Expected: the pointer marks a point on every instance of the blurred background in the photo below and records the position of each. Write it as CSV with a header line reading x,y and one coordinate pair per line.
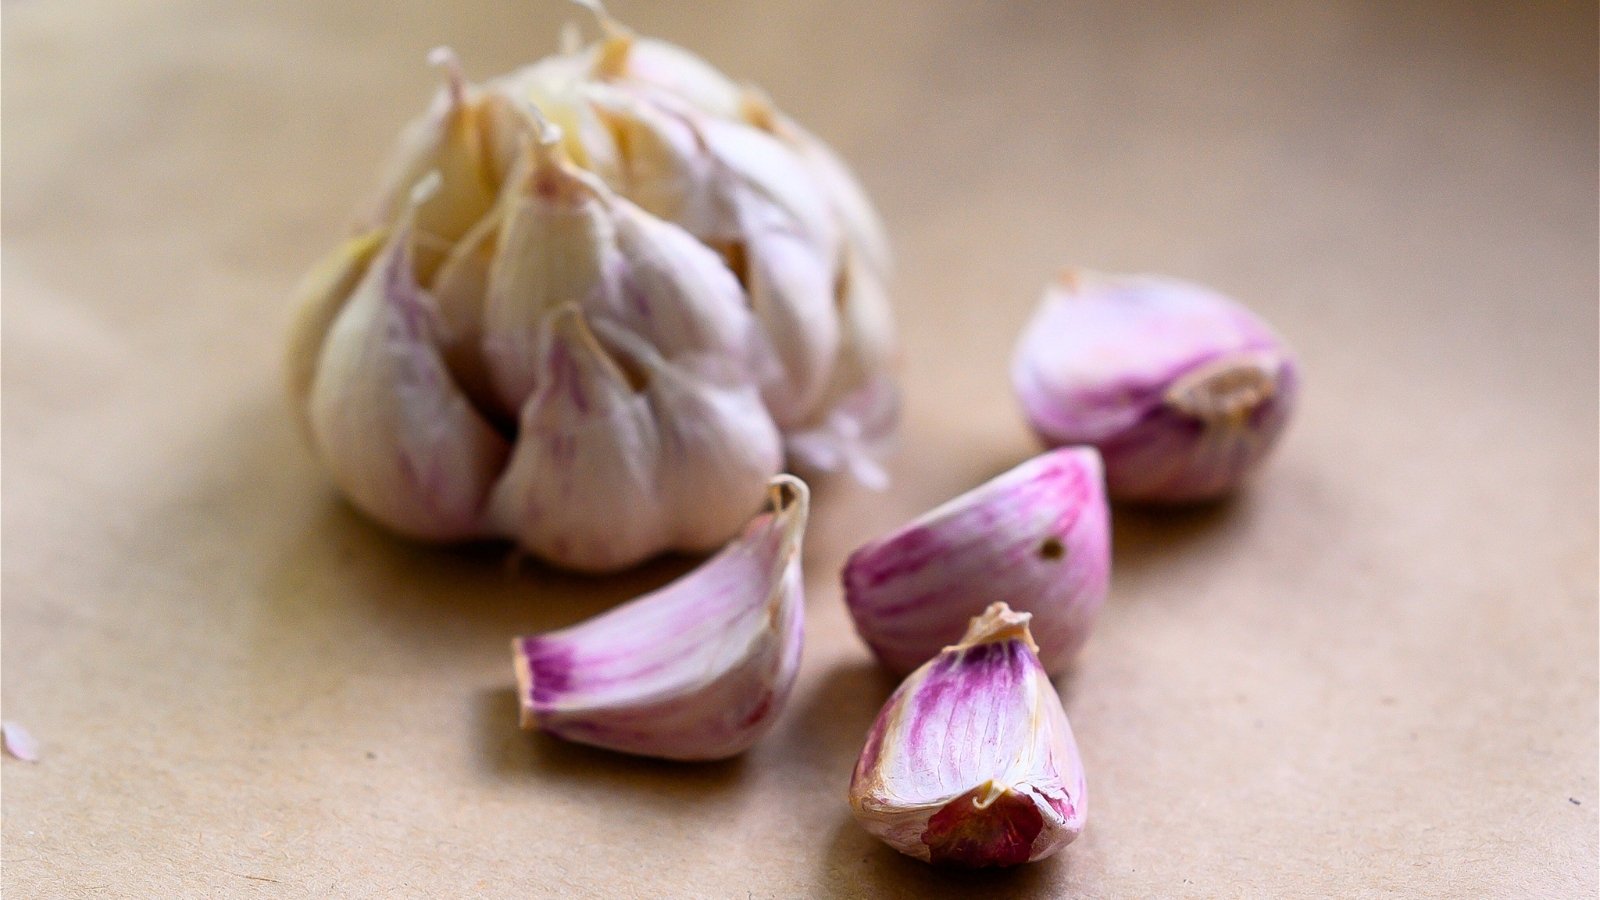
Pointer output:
x,y
1373,673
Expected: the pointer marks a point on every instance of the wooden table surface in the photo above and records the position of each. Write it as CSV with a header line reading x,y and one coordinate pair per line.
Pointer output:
x,y
1374,673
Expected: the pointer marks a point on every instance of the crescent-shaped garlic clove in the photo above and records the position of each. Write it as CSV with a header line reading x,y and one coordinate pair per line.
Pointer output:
x,y
453,139
555,246
697,670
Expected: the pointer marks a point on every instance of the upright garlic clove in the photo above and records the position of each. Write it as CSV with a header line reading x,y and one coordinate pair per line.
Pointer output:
x,y
861,404
855,212
697,670
398,435
1182,390
719,447
972,761
622,455
583,485
555,245
742,190
317,302
1037,537
566,238
454,139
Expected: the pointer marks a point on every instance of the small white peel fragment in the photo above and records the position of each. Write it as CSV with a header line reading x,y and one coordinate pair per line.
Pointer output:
x,y
18,742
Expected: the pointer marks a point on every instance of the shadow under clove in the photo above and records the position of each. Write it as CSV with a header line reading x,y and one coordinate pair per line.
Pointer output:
x,y
1142,535
857,864
540,761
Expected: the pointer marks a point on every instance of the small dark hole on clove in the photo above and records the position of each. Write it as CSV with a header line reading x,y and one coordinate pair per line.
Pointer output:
x,y
1052,548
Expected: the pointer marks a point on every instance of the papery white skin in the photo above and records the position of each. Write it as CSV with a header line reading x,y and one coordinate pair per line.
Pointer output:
x,y
972,761
1183,391
633,180
697,670
1037,537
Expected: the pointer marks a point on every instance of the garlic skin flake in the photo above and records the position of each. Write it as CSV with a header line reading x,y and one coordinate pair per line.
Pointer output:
x,y
1183,390
1037,537
669,205
972,762
697,670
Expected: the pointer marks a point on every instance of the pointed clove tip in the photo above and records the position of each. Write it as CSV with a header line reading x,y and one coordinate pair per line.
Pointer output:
x,y
790,500
1071,279
757,108
445,59
612,59
999,623
443,56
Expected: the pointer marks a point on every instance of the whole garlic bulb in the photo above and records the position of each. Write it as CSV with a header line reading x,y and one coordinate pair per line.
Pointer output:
x,y
599,303
1182,390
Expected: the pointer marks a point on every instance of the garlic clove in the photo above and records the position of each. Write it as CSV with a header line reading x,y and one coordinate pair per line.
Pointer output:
x,y
742,190
317,302
972,762
719,446
582,487
863,228
697,670
861,404
677,293
555,246
459,287
452,140
398,435
1183,390
664,165
670,68
1037,536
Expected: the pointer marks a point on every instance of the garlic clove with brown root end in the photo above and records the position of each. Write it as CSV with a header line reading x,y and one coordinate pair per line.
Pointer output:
x,y
385,415
1183,390
972,762
1037,536
697,670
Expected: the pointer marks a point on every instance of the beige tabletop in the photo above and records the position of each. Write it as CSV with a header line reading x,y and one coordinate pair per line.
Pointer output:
x,y
1374,673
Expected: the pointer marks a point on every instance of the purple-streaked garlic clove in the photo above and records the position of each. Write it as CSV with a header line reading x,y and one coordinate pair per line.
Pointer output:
x,y
1037,537
1183,390
697,670
972,761
385,414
